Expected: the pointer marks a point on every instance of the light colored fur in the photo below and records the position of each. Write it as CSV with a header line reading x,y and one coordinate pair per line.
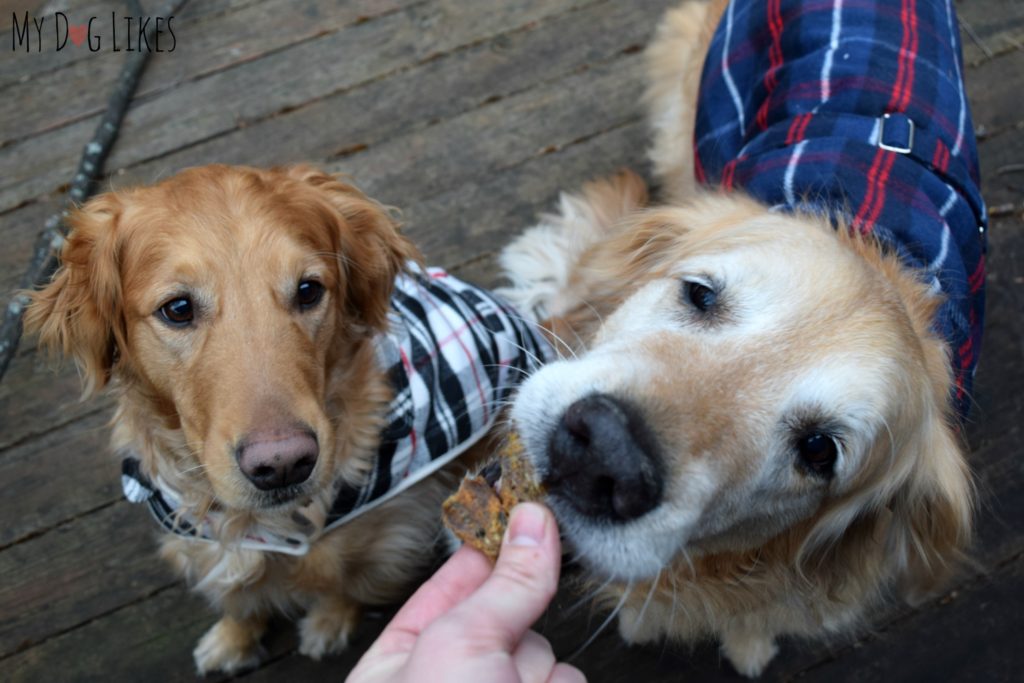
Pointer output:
x,y
238,240
813,324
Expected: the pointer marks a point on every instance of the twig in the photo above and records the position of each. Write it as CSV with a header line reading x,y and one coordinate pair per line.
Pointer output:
x,y
46,252
972,34
1010,168
1001,210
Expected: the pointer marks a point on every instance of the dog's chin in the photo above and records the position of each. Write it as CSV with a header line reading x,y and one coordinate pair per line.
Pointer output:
x,y
278,500
287,497
629,551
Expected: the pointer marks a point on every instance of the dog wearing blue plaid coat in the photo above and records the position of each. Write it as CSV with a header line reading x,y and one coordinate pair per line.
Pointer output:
x,y
757,433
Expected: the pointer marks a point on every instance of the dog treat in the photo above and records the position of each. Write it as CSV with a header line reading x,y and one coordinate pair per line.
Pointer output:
x,y
478,512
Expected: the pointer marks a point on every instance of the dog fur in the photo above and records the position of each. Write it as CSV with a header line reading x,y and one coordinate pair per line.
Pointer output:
x,y
237,241
813,328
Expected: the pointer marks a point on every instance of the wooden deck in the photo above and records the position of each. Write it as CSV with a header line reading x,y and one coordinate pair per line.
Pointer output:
x,y
469,115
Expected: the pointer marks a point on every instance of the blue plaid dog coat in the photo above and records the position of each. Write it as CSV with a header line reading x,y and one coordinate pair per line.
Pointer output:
x,y
856,107
453,354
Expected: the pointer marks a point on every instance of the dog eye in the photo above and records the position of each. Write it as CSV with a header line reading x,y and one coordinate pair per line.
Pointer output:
x,y
177,312
700,296
818,453
309,294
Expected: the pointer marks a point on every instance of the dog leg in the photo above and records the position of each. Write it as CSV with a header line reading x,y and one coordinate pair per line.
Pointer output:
x,y
748,647
231,645
675,60
540,262
326,627
644,626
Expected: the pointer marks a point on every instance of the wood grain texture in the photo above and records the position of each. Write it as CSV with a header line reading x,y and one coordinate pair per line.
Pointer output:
x,y
254,90
75,573
202,44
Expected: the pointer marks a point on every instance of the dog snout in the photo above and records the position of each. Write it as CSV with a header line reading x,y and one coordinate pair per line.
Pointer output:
x,y
602,460
276,459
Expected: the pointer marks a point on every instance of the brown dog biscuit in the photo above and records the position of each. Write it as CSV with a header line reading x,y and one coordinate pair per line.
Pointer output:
x,y
478,512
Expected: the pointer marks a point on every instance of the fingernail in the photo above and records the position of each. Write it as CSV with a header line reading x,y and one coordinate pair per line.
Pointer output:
x,y
527,525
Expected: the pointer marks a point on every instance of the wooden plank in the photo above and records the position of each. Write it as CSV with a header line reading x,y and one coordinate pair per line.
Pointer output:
x,y
379,111
34,399
201,47
200,109
485,141
19,230
1002,177
483,214
149,641
993,90
997,27
76,573
21,68
973,634
61,475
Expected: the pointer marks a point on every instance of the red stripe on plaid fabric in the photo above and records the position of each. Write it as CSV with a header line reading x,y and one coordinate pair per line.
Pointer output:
x,y
793,126
883,178
977,278
775,57
797,128
867,203
915,44
728,171
698,167
803,128
940,159
903,86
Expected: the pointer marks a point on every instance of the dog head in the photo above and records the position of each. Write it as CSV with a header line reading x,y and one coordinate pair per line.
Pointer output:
x,y
229,302
755,376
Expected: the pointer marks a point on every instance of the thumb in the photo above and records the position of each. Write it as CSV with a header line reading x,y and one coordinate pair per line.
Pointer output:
x,y
525,577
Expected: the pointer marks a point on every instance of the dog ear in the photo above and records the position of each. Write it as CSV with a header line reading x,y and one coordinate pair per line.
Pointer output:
x,y
932,515
79,311
371,251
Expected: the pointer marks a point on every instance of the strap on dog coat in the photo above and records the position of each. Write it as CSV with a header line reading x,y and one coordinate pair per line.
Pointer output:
x,y
856,109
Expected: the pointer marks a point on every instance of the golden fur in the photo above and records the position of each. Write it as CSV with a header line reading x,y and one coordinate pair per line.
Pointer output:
x,y
237,241
812,325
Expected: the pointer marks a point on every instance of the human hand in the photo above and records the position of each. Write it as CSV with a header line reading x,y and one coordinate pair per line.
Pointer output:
x,y
471,620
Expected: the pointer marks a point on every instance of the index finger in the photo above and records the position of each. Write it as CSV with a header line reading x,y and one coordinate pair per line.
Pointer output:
x,y
461,575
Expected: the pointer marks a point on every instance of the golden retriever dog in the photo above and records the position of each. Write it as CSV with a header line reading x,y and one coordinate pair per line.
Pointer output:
x,y
752,432
243,319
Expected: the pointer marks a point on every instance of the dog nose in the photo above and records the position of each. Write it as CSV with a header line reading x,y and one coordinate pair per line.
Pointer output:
x,y
276,459
602,462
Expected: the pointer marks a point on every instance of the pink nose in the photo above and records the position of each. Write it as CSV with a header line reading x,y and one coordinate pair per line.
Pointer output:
x,y
276,459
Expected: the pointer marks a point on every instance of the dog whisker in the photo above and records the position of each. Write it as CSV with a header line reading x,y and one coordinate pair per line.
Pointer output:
x,y
604,624
549,332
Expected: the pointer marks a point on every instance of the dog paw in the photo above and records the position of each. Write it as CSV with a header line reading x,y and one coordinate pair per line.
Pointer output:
x,y
749,654
325,631
637,630
227,647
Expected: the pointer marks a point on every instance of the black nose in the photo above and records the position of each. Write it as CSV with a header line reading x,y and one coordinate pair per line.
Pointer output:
x,y
602,460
